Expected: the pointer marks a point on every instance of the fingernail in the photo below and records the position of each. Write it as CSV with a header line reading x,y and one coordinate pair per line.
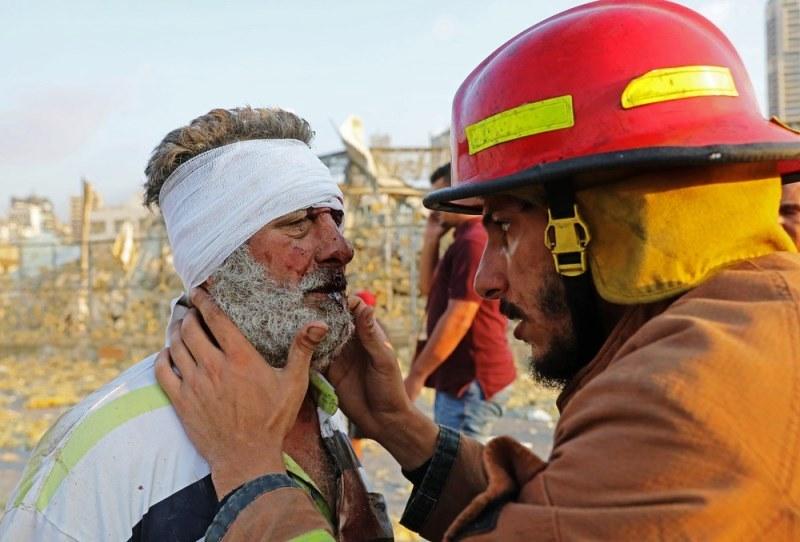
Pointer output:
x,y
316,333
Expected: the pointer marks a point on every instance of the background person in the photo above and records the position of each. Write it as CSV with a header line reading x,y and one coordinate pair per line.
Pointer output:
x,y
466,357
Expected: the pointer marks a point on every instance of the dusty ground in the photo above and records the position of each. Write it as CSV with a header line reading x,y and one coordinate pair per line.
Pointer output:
x,y
36,389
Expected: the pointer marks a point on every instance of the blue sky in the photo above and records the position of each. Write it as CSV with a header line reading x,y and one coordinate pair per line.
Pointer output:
x,y
89,87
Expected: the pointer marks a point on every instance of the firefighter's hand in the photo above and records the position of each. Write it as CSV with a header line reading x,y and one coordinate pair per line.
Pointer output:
x,y
370,387
234,406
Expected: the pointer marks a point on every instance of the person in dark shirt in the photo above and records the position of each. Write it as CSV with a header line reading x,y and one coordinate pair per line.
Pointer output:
x,y
466,358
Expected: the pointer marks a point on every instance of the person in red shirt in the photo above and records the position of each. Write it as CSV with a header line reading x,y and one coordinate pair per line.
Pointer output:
x,y
466,358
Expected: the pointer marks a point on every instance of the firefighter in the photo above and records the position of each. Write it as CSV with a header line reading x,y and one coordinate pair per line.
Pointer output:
x,y
630,190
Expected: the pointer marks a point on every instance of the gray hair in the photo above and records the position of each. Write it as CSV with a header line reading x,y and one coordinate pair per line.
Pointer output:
x,y
217,128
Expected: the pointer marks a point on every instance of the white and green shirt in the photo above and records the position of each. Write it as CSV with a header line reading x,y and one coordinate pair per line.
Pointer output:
x,y
119,466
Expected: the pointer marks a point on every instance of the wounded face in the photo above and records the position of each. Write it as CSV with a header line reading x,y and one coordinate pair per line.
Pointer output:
x,y
270,313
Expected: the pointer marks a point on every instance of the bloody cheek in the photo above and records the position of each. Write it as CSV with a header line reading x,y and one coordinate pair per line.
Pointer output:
x,y
299,251
299,257
297,260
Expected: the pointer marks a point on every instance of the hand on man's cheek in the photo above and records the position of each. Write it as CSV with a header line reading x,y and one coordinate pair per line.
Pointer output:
x,y
235,407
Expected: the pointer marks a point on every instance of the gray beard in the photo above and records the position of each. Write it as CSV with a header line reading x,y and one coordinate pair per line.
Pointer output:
x,y
269,315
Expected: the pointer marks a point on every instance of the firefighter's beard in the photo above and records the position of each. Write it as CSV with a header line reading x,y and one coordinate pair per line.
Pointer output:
x,y
559,364
269,314
555,362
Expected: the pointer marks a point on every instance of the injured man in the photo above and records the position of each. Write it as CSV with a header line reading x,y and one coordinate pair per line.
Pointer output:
x,y
255,218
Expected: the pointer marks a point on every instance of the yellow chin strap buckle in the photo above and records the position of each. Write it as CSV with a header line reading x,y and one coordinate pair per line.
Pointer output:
x,y
567,239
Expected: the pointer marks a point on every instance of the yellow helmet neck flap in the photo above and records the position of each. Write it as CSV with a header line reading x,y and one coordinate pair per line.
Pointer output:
x,y
660,234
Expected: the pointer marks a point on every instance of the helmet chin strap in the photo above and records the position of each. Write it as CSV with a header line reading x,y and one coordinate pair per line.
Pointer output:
x,y
567,236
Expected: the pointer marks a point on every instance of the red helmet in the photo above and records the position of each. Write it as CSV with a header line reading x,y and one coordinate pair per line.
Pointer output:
x,y
609,84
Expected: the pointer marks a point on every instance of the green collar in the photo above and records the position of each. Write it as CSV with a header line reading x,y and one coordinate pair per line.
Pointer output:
x,y
324,393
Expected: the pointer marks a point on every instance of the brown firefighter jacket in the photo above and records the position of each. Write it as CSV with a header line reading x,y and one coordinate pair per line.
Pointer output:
x,y
686,426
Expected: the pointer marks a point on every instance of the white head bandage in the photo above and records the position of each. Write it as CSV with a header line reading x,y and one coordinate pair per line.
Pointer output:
x,y
216,201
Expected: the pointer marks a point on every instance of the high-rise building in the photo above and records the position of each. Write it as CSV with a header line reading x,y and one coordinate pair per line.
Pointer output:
x,y
783,60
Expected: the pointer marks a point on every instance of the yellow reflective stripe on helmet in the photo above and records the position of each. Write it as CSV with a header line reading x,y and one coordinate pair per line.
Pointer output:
x,y
668,84
97,425
529,119
317,535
